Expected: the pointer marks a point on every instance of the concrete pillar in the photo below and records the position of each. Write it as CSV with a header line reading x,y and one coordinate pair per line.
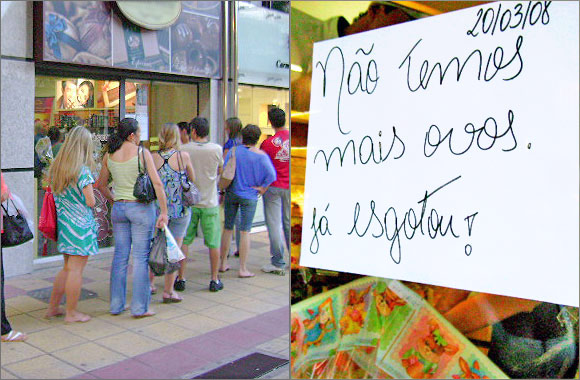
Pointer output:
x,y
17,119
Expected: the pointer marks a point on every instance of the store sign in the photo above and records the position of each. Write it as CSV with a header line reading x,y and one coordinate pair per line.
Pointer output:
x,y
152,15
170,37
263,46
445,151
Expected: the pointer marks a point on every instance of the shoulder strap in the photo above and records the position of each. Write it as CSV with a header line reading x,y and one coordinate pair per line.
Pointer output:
x,y
140,150
179,164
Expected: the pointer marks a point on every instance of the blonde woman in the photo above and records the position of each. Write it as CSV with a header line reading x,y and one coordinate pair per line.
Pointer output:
x,y
133,222
72,186
172,165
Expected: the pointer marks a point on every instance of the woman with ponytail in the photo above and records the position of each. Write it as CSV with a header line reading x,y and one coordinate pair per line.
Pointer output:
x,y
133,222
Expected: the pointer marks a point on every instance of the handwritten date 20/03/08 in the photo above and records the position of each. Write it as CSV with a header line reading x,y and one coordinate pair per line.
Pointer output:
x,y
491,18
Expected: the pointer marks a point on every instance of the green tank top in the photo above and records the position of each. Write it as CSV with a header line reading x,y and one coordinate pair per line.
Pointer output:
x,y
124,177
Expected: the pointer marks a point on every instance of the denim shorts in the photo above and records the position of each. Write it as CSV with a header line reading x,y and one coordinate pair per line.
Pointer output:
x,y
247,208
178,226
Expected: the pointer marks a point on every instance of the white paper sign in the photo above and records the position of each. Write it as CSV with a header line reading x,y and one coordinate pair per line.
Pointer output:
x,y
445,151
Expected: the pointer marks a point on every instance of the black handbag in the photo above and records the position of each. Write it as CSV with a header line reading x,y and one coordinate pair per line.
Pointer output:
x,y
143,189
158,256
16,230
190,195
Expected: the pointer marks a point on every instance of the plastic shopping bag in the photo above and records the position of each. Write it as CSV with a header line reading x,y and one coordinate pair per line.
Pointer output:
x,y
158,256
174,254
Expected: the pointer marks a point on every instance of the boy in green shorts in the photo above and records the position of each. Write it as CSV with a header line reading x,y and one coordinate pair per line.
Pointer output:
x,y
207,160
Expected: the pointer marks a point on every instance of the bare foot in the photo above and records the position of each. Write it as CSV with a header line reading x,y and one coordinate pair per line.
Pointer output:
x,y
77,317
246,274
147,314
222,270
54,313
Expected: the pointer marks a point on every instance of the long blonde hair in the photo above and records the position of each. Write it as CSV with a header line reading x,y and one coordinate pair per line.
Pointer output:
x,y
76,152
169,137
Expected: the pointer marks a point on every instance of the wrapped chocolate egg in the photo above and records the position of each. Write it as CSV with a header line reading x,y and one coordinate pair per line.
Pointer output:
x,y
182,36
95,30
61,40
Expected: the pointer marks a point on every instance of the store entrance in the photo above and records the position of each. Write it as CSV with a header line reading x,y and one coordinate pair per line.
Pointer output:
x,y
61,103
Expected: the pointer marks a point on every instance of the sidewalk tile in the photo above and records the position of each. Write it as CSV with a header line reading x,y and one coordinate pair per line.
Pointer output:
x,y
126,321
195,303
227,314
39,315
94,306
245,287
172,362
208,348
129,369
43,367
272,297
87,375
167,312
10,311
199,322
253,305
99,287
86,280
54,339
29,282
89,356
130,343
94,329
7,375
27,323
26,304
281,315
239,337
15,352
12,291
166,332
265,326
224,296
275,345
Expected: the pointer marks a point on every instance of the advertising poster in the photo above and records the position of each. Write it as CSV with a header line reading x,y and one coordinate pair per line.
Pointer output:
x,y
196,41
78,31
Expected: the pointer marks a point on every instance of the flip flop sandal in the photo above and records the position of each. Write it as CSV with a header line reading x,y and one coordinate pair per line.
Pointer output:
x,y
225,270
249,276
172,299
153,290
15,336
147,314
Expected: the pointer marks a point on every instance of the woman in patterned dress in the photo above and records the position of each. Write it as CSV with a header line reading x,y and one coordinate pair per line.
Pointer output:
x,y
72,187
172,167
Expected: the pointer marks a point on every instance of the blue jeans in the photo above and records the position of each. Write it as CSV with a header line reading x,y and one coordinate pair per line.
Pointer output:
x,y
277,213
247,211
133,224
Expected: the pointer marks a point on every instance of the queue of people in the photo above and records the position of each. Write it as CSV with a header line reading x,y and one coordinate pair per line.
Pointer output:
x,y
185,152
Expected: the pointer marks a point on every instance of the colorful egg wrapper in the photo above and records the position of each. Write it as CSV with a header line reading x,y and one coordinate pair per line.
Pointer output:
x,y
382,329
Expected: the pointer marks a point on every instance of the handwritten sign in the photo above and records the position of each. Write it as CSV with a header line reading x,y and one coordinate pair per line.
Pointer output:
x,y
445,151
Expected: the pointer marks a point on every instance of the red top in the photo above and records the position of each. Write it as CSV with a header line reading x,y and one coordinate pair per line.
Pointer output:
x,y
278,148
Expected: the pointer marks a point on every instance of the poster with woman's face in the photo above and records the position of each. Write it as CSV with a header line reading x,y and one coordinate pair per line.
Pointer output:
x,y
75,94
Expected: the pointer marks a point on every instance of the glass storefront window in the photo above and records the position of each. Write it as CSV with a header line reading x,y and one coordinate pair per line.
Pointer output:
x,y
253,105
60,105
63,103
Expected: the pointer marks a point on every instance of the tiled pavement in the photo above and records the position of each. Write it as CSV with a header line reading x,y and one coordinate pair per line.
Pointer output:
x,y
182,340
